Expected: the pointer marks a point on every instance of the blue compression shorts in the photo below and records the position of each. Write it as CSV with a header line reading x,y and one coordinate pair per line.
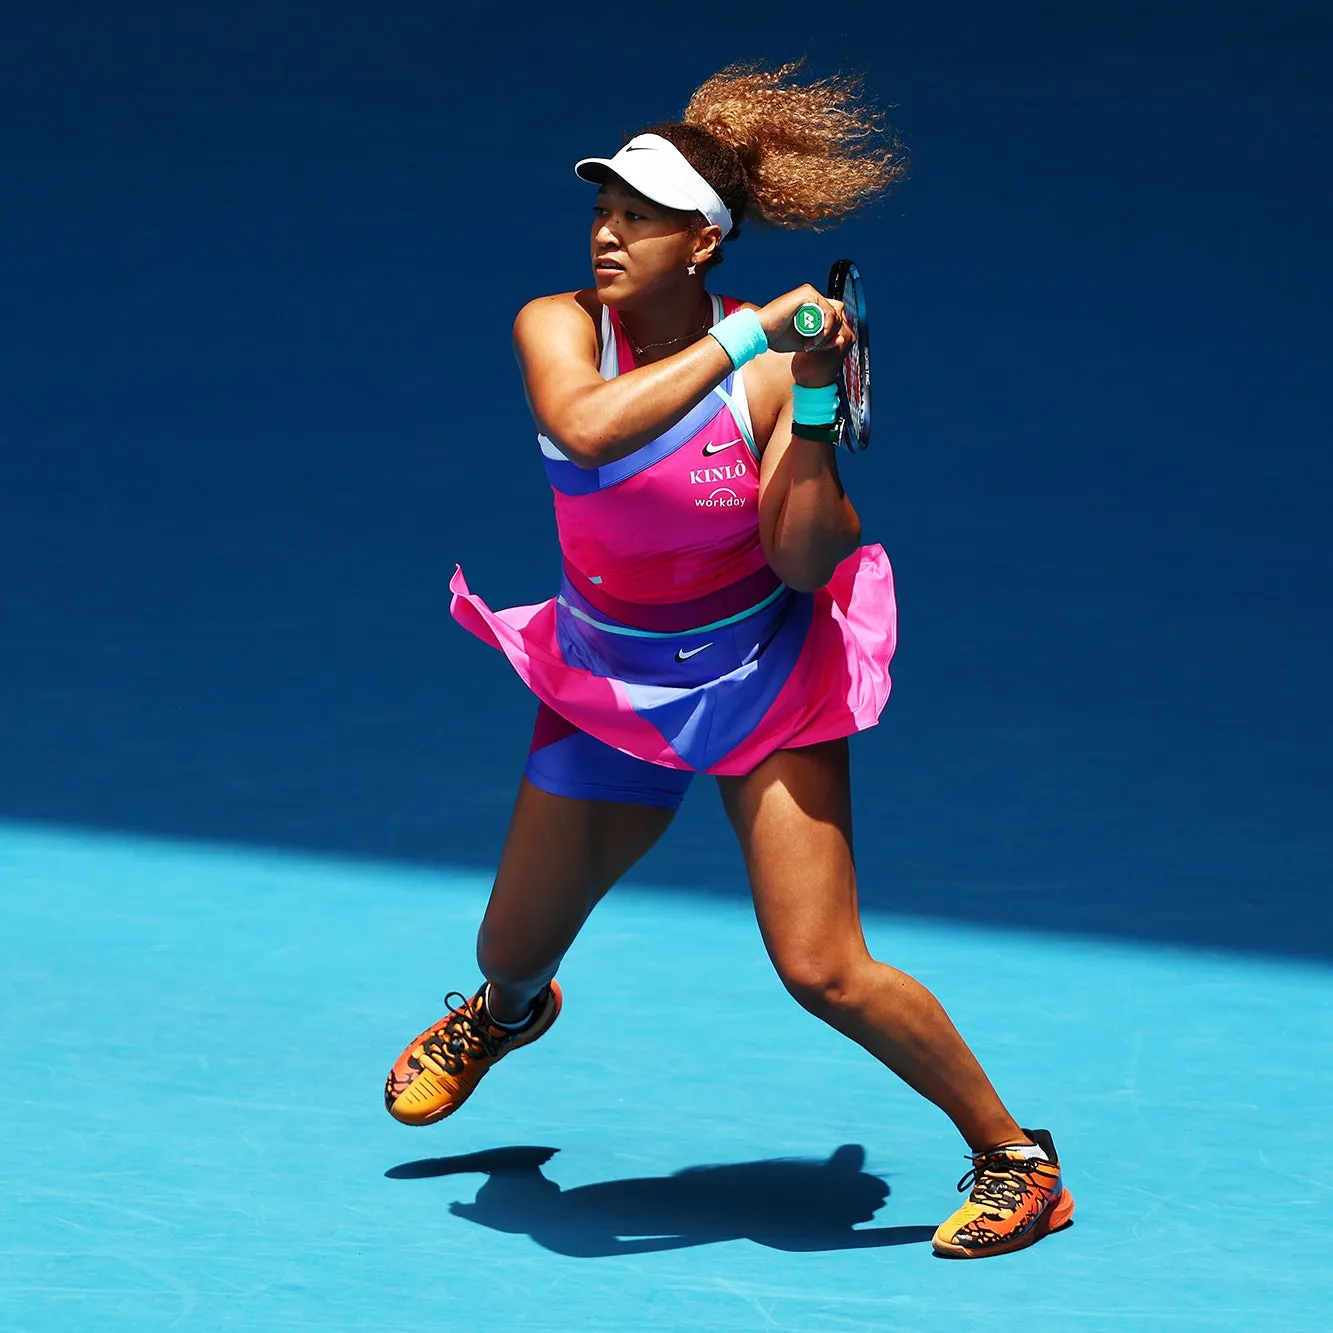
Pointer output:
x,y
568,762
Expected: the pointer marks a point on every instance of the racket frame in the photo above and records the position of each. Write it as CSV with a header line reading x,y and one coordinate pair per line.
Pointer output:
x,y
845,285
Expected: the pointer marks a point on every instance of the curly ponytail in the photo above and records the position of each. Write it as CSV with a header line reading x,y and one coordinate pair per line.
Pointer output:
x,y
800,155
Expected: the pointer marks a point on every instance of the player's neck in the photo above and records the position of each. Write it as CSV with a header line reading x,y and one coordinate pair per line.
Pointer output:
x,y
671,321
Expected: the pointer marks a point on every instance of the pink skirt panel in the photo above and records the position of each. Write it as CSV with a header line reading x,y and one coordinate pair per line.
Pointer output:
x,y
838,686
841,681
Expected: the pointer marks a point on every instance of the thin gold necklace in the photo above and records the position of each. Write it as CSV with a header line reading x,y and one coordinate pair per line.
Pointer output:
x,y
640,348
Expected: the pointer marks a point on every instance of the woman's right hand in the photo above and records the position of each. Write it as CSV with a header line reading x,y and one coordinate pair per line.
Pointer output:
x,y
777,316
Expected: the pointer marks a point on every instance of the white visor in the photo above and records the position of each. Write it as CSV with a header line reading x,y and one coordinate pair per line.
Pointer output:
x,y
655,168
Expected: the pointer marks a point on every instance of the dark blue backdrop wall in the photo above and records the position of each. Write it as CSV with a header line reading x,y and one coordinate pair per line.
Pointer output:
x,y
245,433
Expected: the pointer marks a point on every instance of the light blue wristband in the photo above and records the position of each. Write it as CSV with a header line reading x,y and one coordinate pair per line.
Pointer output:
x,y
742,337
814,407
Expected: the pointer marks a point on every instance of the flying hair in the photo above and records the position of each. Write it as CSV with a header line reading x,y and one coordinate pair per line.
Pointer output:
x,y
802,154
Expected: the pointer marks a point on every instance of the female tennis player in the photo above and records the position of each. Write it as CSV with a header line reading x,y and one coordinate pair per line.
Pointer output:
x,y
716,615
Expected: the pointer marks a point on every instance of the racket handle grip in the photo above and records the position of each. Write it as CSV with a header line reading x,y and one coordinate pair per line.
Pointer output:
x,y
808,320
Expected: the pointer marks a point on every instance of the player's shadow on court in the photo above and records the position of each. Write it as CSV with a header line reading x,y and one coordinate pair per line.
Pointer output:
x,y
797,1205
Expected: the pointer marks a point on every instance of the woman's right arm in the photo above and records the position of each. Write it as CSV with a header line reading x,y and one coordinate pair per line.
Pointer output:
x,y
597,421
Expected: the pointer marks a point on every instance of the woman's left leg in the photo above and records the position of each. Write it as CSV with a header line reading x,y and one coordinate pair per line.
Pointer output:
x,y
793,818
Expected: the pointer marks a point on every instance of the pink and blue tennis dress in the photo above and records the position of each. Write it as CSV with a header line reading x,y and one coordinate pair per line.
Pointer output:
x,y
673,648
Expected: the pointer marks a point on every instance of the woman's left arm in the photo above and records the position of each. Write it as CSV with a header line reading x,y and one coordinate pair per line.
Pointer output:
x,y
806,522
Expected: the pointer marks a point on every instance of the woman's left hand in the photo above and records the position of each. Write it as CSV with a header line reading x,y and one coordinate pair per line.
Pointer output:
x,y
819,366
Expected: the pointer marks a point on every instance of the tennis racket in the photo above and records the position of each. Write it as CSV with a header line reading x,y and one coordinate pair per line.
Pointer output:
x,y
844,284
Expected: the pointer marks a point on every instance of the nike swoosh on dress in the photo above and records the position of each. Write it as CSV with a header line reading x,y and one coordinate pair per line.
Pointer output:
x,y
684,654
711,449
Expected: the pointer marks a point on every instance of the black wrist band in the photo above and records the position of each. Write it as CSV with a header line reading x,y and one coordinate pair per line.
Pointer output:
x,y
829,434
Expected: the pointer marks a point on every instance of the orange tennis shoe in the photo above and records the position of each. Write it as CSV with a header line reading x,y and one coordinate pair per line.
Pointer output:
x,y
1014,1201
440,1070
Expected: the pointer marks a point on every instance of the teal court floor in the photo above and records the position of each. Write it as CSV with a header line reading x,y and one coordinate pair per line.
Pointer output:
x,y
195,1138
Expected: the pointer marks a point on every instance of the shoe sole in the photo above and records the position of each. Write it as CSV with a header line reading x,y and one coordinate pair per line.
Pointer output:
x,y
1055,1218
434,1117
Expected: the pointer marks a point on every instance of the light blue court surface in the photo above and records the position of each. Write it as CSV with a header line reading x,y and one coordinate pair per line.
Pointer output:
x,y
194,1136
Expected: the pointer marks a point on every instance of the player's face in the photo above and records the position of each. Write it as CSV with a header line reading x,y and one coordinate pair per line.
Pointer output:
x,y
638,247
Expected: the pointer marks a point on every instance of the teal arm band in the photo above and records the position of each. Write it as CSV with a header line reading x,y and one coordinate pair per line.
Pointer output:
x,y
815,407
742,337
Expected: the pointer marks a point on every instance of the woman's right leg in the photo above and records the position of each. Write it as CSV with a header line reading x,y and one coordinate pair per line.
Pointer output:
x,y
560,857
563,852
